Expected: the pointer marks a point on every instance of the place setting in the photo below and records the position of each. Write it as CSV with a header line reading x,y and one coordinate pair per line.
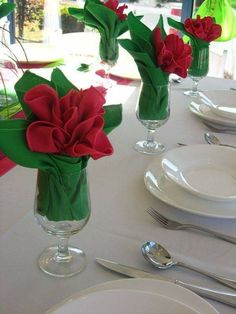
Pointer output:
x,y
217,109
198,179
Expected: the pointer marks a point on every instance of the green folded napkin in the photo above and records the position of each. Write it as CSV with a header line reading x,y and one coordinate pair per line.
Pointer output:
x,y
142,50
96,15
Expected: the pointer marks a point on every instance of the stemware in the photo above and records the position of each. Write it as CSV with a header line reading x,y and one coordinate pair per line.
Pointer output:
x,y
62,260
109,53
199,68
153,110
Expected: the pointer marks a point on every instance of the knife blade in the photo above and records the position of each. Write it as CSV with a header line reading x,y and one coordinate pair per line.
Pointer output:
x,y
129,271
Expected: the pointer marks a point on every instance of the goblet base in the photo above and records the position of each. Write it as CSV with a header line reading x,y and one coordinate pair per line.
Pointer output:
x,y
53,264
192,93
147,148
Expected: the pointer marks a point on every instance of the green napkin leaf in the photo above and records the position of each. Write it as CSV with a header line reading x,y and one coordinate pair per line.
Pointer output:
x,y
6,8
61,83
12,134
28,81
112,117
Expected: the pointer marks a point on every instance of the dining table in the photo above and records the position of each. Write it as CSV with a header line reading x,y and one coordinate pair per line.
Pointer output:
x,y
119,223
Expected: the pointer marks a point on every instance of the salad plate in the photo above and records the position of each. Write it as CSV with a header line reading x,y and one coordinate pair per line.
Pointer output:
x,y
208,171
166,190
222,103
205,112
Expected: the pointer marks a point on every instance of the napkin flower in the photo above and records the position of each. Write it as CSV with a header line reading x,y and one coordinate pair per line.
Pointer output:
x,y
156,55
203,28
201,32
110,21
64,127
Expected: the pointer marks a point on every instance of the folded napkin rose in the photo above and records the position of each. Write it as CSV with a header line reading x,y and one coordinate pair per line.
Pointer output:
x,y
110,21
201,32
156,55
203,28
64,127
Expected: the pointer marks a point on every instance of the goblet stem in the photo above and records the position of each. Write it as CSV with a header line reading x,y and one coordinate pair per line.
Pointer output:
x,y
150,138
195,85
63,254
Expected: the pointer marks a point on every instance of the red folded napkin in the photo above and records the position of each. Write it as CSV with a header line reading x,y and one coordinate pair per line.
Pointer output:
x,y
117,79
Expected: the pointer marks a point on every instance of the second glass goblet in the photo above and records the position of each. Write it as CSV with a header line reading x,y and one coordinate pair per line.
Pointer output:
x,y
62,210
109,53
199,68
153,110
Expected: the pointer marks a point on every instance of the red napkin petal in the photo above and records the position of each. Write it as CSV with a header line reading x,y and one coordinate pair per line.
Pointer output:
x,y
44,103
45,137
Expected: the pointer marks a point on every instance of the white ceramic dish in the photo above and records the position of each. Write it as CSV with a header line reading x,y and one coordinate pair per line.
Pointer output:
x,y
160,288
204,112
170,193
124,301
222,103
208,171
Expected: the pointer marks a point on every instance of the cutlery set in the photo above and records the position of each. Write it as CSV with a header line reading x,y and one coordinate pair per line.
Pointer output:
x,y
159,257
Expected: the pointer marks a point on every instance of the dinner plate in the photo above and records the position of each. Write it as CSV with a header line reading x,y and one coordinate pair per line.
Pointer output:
x,y
170,193
208,171
204,111
160,288
124,301
36,53
222,103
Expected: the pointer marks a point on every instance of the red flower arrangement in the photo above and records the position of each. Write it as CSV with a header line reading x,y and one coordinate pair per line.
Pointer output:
x,y
203,28
172,55
119,10
71,125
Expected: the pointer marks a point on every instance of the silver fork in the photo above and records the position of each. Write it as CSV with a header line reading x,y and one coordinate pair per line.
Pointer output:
x,y
174,225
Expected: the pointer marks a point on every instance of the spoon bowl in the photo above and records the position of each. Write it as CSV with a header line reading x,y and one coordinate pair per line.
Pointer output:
x,y
159,257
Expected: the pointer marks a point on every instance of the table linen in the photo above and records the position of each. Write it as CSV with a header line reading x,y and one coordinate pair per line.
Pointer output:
x,y
119,223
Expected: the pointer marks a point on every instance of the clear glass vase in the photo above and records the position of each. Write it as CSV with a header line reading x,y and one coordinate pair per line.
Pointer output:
x,y
62,209
109,53
199,68
153,110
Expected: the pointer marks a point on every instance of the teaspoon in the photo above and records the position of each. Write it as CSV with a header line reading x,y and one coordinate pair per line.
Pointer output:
x,y
158,256
212,139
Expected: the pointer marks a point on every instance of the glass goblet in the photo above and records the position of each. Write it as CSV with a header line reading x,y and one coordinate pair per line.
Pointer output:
x,y
109,53
198,69
153,110
62,212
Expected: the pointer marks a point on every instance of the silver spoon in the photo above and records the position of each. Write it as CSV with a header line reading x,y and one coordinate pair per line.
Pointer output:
x,y
212,139
158,256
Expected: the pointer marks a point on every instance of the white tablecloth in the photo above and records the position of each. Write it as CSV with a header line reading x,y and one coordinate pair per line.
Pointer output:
x,y
119,223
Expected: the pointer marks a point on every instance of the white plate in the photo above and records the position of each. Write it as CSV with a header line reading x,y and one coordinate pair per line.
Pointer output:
x,y
208,171
160,288
204,112
170,193
37,53
222,103
124,301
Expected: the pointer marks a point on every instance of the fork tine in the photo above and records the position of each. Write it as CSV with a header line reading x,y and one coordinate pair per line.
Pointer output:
x,y
157,216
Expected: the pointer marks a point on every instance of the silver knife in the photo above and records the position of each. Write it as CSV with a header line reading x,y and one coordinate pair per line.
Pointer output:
x,y
220,296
